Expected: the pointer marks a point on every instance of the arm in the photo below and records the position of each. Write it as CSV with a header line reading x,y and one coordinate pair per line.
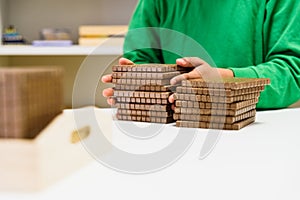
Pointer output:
x,y
281,55
141,40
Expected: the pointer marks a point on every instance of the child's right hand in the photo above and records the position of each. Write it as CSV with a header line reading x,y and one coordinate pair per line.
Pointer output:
x,y
109,92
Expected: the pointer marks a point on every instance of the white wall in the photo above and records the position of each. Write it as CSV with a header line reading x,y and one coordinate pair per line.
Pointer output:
x,y
3,15
30,16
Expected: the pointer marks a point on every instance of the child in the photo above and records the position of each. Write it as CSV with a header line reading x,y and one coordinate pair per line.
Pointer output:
x,y
255,39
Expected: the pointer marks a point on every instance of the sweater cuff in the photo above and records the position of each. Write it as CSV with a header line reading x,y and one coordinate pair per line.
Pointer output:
x,y
247,72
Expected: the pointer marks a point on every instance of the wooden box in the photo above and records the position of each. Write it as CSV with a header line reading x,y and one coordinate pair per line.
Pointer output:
x,y
29,165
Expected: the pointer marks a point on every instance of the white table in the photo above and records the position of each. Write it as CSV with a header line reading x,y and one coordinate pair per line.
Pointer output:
x,y
261,161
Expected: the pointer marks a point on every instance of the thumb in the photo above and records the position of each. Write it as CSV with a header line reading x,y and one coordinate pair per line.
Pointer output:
x,y
190,62
125,61
191,75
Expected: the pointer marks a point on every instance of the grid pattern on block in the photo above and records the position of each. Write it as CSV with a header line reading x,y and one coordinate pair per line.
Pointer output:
x,y
142,91
29,99
218,104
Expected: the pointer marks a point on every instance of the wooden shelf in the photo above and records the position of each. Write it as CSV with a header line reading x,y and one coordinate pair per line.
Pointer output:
x,y
60,51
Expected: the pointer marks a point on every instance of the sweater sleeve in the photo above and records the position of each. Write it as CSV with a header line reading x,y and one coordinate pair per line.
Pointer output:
x,y
281,55
142,42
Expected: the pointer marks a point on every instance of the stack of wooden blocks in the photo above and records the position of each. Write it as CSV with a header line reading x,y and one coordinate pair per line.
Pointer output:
x,y
29,99
142,92
218,104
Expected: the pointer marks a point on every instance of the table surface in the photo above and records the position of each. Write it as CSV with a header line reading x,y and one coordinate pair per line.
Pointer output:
x,y
261,161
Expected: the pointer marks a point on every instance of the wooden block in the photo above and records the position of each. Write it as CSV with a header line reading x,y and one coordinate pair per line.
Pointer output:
x,y
218,92
158,88
228,83
214,118
129,100
232,106
235,126
142,94
145,68
144,75
215,99
161,120
147,107
146,113
141,82
31,98
222,112
152,68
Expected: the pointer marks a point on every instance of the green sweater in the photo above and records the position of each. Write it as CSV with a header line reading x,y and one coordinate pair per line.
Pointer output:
x,y
254,38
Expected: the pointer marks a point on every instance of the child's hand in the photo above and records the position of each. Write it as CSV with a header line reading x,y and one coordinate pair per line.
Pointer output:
x,y
109,92
202,70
